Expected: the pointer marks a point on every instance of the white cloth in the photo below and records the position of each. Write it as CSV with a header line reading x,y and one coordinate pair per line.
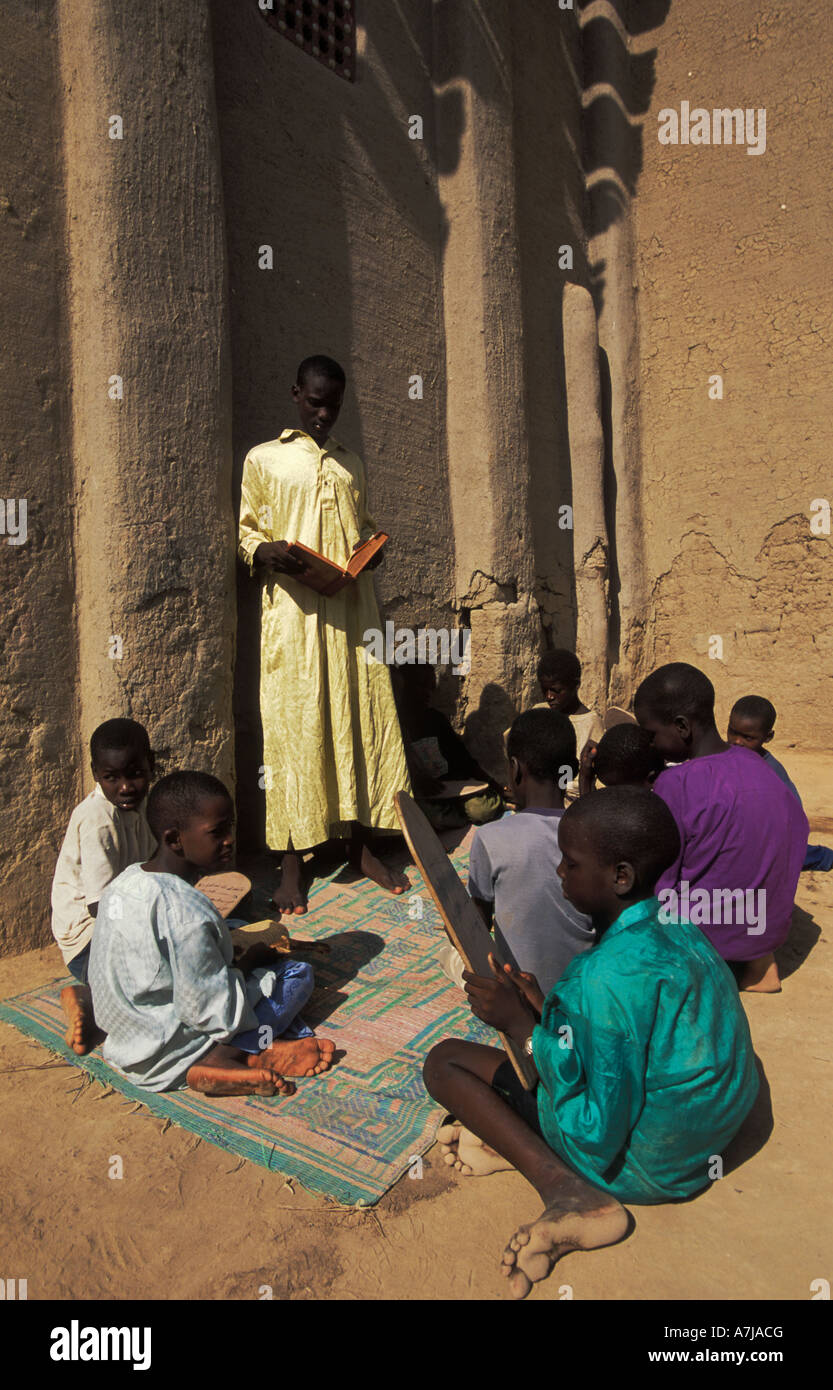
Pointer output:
x,y
101,840
161,978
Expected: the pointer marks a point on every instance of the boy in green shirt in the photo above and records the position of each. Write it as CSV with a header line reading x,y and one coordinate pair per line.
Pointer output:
x,y
642,1047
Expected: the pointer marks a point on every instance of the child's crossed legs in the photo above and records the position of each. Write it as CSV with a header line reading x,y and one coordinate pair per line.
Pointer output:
x,y
257,1060
576,1216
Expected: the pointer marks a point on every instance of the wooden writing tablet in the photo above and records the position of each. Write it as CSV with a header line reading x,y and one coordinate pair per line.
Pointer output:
x,y
465,927
616,716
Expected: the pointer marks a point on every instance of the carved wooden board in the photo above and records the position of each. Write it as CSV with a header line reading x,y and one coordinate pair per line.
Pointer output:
x,y
465,927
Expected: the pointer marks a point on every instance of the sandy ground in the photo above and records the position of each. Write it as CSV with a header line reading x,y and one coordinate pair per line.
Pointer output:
x,y
186,1221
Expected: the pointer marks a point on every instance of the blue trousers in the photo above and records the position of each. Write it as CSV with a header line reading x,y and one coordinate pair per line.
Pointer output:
x,y
818,857
79,964
278,1012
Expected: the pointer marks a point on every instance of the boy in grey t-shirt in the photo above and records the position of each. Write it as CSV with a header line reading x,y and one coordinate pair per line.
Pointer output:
x,y
513,865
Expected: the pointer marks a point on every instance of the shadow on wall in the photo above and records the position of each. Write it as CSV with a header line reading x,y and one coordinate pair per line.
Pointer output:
x,y
585,87
618,82
299,148
610,489
484,729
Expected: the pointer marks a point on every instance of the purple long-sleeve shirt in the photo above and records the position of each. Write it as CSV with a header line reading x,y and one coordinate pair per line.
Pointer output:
x,y
743,833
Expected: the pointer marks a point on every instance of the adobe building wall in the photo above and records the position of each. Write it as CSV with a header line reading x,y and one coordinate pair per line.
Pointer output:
x,y
734,276
39,708
563,284
116,413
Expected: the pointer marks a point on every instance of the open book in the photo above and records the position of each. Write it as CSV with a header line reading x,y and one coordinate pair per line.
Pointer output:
x,y
325,576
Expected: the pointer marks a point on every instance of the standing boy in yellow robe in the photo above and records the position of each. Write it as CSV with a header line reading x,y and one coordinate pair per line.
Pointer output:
x,y
331,741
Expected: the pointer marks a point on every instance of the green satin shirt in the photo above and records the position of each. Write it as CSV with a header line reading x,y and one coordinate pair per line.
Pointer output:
x,y
646,1061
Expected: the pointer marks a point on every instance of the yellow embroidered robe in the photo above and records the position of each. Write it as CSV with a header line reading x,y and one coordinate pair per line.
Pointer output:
x,y
332,746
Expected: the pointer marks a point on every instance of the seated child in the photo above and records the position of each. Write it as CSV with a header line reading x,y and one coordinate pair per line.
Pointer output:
x,y
106,832
175,1008
437,756
559,676
643,1050
751,725
513,865
743,835
625,757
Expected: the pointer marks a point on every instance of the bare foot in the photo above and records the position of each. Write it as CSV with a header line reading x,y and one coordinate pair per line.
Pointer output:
x,y
467,1153
761,976
297,1056
238,1081
390,879
579,1219
291,895
83,1033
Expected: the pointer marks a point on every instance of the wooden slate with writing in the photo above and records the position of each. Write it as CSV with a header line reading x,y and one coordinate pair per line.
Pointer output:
x,y
465,927
226,891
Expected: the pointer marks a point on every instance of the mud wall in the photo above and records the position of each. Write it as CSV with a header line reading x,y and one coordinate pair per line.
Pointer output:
x,y
39,734
566,288
734,273
116,413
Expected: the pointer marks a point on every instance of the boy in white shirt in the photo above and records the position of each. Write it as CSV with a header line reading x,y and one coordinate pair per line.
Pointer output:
x,y
559,676
106,833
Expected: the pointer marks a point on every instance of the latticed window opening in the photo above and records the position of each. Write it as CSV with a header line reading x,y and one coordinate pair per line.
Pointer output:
x,y
326,29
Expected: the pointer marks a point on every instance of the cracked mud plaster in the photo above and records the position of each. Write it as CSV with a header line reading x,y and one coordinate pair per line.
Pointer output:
x,y
766,619
484,589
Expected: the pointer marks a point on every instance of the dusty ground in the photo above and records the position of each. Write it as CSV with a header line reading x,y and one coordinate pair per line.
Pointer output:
x,y
186,1222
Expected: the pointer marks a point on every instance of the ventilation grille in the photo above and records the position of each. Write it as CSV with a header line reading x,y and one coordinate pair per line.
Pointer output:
x,y
326,29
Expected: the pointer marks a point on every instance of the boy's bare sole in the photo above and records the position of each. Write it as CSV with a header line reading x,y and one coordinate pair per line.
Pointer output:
x,y
83,1033
238,1081
534,1249
467,1154
298,1056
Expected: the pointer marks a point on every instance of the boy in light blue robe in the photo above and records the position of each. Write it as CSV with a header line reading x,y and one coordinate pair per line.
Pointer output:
x,y
175,1006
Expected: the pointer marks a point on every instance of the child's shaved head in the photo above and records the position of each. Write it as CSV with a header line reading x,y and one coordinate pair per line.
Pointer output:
x,y
626,757
559,665
321,366
544,742
676,690
630,824
116,735
178,797
751,723
757,708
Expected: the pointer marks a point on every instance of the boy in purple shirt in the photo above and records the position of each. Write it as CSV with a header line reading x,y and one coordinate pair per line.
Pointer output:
x,y
743,834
